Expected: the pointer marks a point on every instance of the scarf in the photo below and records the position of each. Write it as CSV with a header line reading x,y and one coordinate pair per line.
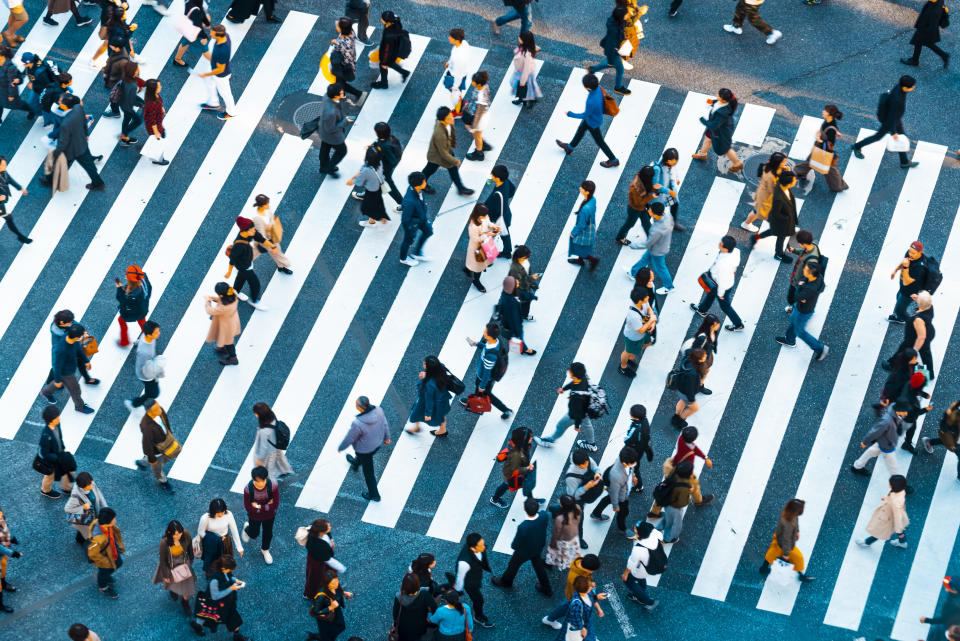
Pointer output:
x,y
111,540
4,533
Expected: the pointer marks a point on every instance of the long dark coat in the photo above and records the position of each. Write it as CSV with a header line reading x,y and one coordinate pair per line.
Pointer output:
x,y
933,17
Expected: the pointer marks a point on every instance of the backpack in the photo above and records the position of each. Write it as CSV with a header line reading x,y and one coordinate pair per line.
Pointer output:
x,y
503,359
404,46
663,490
656,561
395,146
282,434
882,105
591,495
597,406
269,487
606,476
934,275
115,93
673,378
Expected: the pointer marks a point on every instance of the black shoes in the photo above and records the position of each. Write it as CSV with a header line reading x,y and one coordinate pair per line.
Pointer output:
x,y
566,147
862,471
697,311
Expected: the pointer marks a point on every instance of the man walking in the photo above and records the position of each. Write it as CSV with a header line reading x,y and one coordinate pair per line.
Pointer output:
x,y
724,273
241,257
66,355
72,142
890,110
590,120
657,246
440,152
619,484
528,545
146,367
106,550
368,431
218,78
158,443
261,497
809,252
577,403
333,131
646,558
750,10
933,16
471,564
808,291
413,219
521,10
9,85
913,278
882,439
583,482
51,449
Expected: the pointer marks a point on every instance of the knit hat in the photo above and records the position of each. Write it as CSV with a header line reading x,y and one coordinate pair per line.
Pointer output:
x,y
917,245
590,562
134,273
243,223
918,380
28,57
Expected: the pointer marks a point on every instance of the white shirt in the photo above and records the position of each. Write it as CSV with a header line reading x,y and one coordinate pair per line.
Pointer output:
x,y
462,568
459,62
220,526
634,321
724,270
640,555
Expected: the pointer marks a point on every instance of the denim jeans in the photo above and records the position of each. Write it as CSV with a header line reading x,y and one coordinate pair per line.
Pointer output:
x,y
725,305
525,16
900,307
659,265
798,329
529,482
104,574
409,233
559,612
613,60
586,429
638,587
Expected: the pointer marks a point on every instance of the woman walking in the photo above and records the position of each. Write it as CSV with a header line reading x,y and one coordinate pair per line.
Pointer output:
x,y
411,607
327,609
62,6
390,40
174,568
133,301
218,535
784,544
453,618
343,60
632,28
199,18
782,217
390,151
433,397
611,43
826,140
320,559
153,113
693,372
128,103
584,232
527,283
223,588
564,538
719,132
370,180
84,504
423,567
639,196
224,322
6,181
579,620
706,338
266,450
672,522
763,198
268,226
480,82
511,314
902,366
949,433
480,230
524,82
889,520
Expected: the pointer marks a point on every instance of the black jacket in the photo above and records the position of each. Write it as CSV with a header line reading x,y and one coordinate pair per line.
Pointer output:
x,y
890,110
501,196
638,437
510,316
390,40
614,36
410,613
531,536
721,126
51,444
783,213
933,17
136,304
72,141
578,400
807,294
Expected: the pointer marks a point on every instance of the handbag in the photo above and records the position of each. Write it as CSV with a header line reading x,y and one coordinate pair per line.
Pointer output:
x,y
185,26
479,256
708,282
42,466
66,462
181,573
89,345
821,160
573,634
610,106
301,536
489,247
900,143
170,447
84,518
207,608
516,345
478,403
448,81
625,49
276,231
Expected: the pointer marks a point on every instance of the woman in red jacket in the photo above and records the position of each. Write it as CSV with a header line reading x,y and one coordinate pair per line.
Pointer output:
x,y
153,113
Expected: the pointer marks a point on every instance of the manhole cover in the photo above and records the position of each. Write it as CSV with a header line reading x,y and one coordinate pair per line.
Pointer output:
x,y
307,112
298,108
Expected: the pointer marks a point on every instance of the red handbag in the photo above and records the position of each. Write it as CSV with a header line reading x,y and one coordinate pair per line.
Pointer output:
x,y
478,403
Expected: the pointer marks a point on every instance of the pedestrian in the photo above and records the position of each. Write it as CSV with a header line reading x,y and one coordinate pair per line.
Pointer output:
x,y
148,366
477,122
67,353
423,567
890,109
128,103
49,107
111,13
511,316
72,143
723,274
933,17
158,443
440,152
218,78
583,566
457,68
153,113
195,12
914,273
270,446
720,126
62,6
686,450
706,337
261,498
882,439
782,216
638,329
392,40
750,10
390,153
175,565
521,10
53,456
639,195
827,140
784,543
632,28
579,619
647,558
268,225
40,75
414,221
518,472
133,301
527,545
241,257
911,395
808,252
6,541
17,18
638,437
583,235
453,618
577,404
656,247
619,482
433,396
524,82
218,535
224,322
117,58
498,204
222,589
769,172
106,550
808,291
471,564
676,499
584,483
613,43
564,544
491,367
343,58
666,184
83,505
889,520
590,120
9,84
320,560
949,615
6,181
480,255
370,180
80,632
327,609
688,382
902,367
527,283
948,433
411,606
368,432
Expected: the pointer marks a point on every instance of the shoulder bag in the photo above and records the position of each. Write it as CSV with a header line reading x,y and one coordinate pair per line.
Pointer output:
x,y
707,282
41,466
89,344
301,536
610,106
184,25
181,573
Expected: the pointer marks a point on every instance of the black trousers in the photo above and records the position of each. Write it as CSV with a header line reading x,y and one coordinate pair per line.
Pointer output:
x,y
363,24
675,5
473,591
780,241
391,65
10,224
347,87
388,178
131,120
496,402
513,566
253,531
632,216
86,161
621,514
151,389
597,137
869,140
245,276
329,163
454,172
932,47
269,6
16,104
365,462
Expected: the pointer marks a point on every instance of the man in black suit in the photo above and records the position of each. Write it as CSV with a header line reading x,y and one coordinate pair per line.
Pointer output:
x,y
528,545
72,142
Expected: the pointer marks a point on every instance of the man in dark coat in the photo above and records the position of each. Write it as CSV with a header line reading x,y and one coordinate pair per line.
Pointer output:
x,y
890,110
782,216
933,17
10,84
528,545
72,142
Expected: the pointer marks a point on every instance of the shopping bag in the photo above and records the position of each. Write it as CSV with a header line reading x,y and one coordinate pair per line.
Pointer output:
x,y
625,49
821,160
900,143
325,68
489,247
185,26
153,148
478,403
516,345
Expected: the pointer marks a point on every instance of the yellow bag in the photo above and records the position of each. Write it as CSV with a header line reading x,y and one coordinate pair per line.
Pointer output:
x,y
821,160
325,68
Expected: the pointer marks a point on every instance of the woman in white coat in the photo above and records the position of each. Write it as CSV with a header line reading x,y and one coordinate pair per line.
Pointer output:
x,y
889,520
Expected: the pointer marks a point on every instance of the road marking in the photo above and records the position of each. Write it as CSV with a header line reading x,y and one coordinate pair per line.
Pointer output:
x,y
619,611
806,136
753,124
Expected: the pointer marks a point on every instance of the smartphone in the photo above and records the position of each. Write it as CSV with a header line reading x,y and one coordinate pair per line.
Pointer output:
x,y
116,280
240,584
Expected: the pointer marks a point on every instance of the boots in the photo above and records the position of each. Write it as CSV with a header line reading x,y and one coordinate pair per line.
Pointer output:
x,y
593,261
230,358
185,604
7,587
765,568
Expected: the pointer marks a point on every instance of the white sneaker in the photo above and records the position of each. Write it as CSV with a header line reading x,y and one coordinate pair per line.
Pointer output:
x,y
409,262
420,257
267,557
258,306
627,66
366,223
897,543
630,275
242,296
542,441
862,543
663,291
556,625
129,405
243,532
750,228
729,28
773,37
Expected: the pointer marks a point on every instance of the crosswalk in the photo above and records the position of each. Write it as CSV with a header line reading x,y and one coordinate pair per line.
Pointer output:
x,y
458,490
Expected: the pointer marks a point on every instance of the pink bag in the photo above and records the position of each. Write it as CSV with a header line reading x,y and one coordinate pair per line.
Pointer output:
x,y
490,249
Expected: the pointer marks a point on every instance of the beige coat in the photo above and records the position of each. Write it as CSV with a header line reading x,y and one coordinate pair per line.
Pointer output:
x,y
58,172
263,223
890,517
224,322
478,234
763,199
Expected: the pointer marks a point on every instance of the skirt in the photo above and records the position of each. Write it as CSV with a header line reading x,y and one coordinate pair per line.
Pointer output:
x,y
277,464
185,588
564,554
372,205
533,87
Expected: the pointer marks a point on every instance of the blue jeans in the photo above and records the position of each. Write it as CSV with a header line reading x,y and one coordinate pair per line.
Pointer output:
x,y
30,97
586,429
529,482
525,16
725,305
659,265
900,308
638,588
613,60
559,612
798,328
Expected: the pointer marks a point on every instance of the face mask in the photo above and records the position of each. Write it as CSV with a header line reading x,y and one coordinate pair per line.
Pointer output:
x,y
490,182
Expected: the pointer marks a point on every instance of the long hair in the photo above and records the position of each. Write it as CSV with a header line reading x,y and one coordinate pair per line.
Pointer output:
x,y
707,325
319,527
130,69
568,506
421,565
436,372
479,211
698,360
792,510
588,186
776,158
265,415
729,98
452,597
150,91
646,177
410,583
172,528
527,43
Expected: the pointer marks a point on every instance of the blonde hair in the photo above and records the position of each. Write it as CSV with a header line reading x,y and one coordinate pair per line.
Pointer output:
x,y
924,300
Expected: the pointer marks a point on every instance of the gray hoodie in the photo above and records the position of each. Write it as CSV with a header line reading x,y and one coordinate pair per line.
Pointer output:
x,y
333,125
658,240
368,431
885,432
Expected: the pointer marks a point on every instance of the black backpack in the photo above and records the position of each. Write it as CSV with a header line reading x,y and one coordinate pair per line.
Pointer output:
x,y
664,489
503,359
591,495
395,147
934,275
269,488
282,434
404,46
454,384
606,476
882,105
657,562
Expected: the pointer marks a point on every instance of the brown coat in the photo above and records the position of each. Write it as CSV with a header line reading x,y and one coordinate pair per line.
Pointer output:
x,y
224,322
58,172
478,234
890,517
98,550
576,569
58,6
763,199
637,197
165,563
153,434
442,144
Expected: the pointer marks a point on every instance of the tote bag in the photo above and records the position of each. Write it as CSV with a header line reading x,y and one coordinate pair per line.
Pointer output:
x,y
821,160
900,143
489,247
185,26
